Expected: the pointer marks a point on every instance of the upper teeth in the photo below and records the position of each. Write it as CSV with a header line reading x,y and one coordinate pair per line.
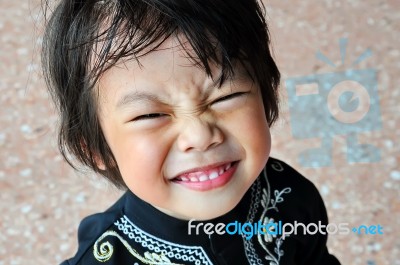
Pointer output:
x,y
203,176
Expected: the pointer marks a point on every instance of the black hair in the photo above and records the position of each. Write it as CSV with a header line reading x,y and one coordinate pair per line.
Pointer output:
x,y
84,38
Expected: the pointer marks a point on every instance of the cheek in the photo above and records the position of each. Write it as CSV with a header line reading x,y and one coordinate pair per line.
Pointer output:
x,y
258,139
146,154
141,168
140,159
251,129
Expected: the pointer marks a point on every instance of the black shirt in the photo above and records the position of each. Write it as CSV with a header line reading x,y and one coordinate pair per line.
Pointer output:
x,y
134,232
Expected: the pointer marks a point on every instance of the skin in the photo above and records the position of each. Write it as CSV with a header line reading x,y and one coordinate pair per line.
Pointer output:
x,y
193,124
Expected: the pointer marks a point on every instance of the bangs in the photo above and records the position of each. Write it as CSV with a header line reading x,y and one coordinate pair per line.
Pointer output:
x,y
118,30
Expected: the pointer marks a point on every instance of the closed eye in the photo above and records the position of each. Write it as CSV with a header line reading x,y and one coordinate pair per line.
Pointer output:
x,y
230,96
149,116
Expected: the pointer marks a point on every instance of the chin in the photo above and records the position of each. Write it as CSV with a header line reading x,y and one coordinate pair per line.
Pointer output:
x,y
208,213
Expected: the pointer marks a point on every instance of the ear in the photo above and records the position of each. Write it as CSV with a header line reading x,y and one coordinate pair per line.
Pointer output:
x,y
96,157
99,162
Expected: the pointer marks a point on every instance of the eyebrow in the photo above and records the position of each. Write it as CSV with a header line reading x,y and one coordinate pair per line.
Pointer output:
x,y
135,96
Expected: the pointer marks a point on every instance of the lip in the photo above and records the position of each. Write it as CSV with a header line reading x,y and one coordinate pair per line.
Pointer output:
x,y
210,184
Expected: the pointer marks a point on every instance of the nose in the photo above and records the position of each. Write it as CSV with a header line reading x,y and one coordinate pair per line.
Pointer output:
x,y
199,135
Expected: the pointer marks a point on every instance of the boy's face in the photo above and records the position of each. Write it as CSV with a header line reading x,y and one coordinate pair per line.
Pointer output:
x,y
182,144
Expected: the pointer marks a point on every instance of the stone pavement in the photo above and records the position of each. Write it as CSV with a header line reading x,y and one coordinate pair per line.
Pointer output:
x,y
42,200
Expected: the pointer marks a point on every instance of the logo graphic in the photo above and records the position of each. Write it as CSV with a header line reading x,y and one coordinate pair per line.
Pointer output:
x,y
338,103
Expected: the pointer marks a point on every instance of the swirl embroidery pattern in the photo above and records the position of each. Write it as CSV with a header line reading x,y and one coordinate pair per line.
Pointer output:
x,y
107,250
267,204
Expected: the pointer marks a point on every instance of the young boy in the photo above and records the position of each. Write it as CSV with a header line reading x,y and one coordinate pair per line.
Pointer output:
x,y
172,100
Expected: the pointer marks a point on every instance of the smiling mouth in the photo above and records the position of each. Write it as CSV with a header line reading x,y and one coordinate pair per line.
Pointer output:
x,y
206,175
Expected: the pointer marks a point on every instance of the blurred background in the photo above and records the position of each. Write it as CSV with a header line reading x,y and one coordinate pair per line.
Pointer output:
x,y
340,127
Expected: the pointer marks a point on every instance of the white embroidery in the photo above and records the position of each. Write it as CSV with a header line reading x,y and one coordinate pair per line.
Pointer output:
x,y
250,251
171,250
277,166
267,239
106,250
278,198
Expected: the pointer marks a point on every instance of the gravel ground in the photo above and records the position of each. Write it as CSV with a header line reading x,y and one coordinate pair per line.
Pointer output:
x,y
43,200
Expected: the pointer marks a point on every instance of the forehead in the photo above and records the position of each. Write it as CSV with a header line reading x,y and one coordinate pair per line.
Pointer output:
x,y
169,68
